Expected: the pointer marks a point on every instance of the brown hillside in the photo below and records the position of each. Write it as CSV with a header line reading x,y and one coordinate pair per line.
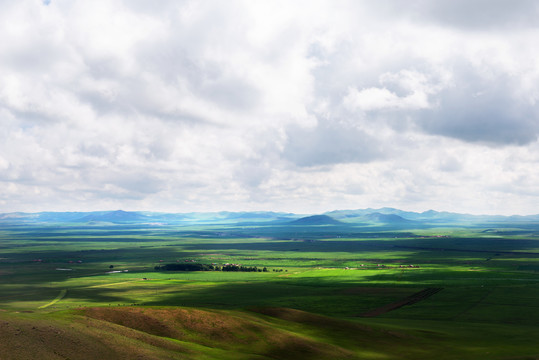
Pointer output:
x,y
157,333
229,331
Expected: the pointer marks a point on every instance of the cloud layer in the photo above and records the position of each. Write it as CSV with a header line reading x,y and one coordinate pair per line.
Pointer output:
x,y
295,106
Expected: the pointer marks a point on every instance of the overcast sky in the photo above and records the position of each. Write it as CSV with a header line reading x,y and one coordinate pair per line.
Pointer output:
x,y
301,106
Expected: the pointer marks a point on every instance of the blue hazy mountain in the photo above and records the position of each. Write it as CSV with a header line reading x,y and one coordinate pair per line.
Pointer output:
x,y
386,218
360,216
145,217
118,216
316,220
429,216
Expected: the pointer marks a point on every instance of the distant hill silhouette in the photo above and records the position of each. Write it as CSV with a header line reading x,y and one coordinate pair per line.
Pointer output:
x,y
316,220
386,218
118,216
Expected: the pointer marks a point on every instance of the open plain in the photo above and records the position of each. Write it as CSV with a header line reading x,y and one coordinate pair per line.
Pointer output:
x,y
357,290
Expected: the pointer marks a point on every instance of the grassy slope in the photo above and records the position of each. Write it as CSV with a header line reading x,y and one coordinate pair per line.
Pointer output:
x,y
266,333
122,333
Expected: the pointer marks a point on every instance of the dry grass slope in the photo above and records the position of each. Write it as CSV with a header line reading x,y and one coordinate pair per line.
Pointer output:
x,y
149,333
237,332
158,333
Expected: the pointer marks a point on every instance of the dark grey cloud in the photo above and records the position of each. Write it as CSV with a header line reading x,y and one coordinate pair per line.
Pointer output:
x,y
465,14
487,14
138,182
482,110
328,144
450,164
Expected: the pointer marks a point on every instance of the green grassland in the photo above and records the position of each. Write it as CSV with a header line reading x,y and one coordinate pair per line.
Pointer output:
x,y
96,285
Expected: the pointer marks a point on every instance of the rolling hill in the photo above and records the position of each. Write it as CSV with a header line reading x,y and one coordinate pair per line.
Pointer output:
x,y
386,218
315,220
186,333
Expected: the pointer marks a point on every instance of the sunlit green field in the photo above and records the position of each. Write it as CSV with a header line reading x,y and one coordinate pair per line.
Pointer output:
x,y
489,282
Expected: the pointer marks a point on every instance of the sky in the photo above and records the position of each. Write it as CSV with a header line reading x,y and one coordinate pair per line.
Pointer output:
x,y
296,106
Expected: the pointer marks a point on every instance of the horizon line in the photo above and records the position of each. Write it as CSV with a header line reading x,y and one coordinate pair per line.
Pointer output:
x,y
265,211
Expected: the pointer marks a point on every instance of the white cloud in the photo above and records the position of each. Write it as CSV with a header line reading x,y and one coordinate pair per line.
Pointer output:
x,y
303,106
382,99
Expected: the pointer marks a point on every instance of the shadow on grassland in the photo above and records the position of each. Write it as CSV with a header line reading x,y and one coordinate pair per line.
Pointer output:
x,y
486,245
323,296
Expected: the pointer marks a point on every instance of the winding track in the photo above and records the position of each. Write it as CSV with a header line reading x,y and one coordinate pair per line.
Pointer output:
x,y
112,284
412,299
60,296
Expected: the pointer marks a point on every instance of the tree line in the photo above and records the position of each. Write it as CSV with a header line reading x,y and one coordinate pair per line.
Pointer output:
x,y
208,267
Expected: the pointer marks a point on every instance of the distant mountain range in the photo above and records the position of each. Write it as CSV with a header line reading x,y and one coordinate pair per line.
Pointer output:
x,y
368,216
144,217
430,216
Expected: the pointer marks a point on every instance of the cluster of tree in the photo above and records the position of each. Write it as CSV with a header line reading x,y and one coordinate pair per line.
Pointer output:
x,y
234,267
279,270
185,267
208,267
